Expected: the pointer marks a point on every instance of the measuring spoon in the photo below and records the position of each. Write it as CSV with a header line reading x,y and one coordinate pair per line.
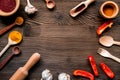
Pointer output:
x,y
15,51
80,7
108,41
18,21
11,42
50,4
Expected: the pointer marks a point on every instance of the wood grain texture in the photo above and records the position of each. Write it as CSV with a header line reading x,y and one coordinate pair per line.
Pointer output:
x,y
63,42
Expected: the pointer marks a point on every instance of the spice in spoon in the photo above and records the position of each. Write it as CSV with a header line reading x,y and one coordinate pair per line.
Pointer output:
x,y
18,21
14,37
80,8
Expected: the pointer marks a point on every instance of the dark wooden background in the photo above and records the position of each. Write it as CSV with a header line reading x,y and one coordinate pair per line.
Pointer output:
x,y
63,42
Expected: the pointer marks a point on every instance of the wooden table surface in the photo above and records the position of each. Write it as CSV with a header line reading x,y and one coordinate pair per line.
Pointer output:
x,y
63,42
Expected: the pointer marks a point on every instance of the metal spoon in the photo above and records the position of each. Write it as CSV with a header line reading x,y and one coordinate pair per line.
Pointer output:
x,y
105,53
29,8
15,51
50,4
108,41
18,21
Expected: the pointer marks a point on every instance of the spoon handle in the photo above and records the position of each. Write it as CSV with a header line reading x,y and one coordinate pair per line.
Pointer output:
x,y
116,42
87,2
6,47
115,58
3,63
2,31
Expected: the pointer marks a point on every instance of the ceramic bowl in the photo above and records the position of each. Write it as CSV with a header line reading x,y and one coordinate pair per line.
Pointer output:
x,y
3,13
109,9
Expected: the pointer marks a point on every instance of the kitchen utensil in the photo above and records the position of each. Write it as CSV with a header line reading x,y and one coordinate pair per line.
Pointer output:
x,y
11,42
108,41
18,21
109,9
50,4
80,7
29,8
105,53
15,51
22,72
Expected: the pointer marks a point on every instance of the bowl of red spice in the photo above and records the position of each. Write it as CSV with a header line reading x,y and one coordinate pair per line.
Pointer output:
x,y
8,7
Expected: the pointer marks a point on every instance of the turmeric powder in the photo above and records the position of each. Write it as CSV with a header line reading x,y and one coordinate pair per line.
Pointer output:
x,y
15,36
108,10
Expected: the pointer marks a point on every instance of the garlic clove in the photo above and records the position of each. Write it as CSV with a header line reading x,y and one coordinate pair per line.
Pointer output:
x,y
64,76
30,9
46,75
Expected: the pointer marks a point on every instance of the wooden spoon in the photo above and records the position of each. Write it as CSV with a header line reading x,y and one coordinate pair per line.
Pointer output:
x,y
50,4
11,42
80,7
108,41
15,51
18,21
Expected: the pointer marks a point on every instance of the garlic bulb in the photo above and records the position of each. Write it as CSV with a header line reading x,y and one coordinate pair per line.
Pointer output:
x,y
30,9
64,76
46,75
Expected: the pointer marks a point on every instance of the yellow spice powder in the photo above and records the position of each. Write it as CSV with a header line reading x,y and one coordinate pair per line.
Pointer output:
x,y
108,10
15,36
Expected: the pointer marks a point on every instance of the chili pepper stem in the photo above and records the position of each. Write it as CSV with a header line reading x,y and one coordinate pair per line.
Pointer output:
x,y
110,25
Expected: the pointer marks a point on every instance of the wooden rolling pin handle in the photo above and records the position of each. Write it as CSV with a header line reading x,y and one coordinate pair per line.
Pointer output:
x,y
22,72
32,61
2,31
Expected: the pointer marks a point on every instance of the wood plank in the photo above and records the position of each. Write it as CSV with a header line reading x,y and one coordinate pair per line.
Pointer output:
x,y
63,42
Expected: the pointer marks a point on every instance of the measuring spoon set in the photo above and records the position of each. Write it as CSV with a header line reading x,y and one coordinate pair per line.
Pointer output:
x,y
15,50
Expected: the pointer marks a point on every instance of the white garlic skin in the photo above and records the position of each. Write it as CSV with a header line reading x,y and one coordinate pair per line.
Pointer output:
x,y
30,10
46,75
64,76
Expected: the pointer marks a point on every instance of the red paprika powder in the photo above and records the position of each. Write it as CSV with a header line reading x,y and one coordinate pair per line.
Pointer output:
x,y
7,5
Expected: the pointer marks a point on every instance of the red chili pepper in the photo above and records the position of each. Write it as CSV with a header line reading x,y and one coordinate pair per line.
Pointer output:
x,y
107,70
83,74
93,65
104,26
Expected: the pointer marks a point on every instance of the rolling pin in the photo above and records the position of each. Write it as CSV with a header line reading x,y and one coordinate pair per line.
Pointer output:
x,y
22,72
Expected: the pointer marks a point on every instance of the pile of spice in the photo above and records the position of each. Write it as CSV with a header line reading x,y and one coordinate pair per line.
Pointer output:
x,y
7,5
15,36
